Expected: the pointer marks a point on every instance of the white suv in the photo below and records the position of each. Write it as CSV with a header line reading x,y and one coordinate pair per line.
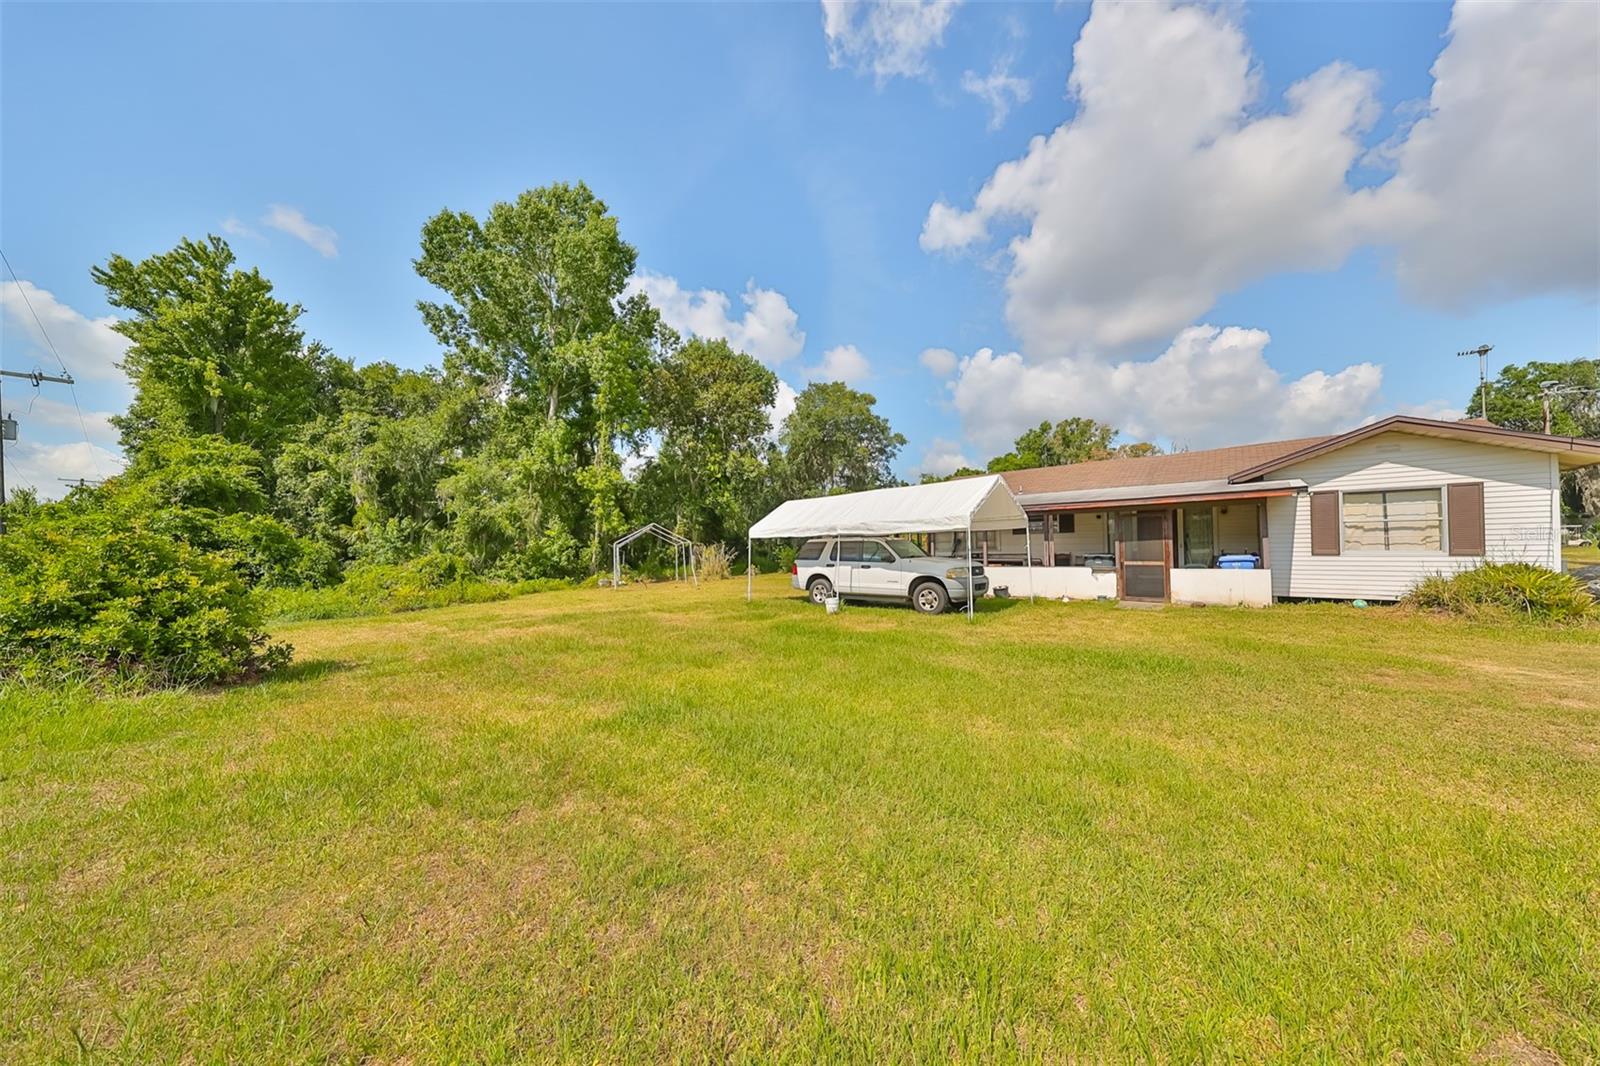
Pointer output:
x,y
883,568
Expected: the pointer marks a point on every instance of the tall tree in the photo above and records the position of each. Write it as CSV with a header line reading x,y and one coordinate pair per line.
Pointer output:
x,y
530,286
1516,401
834,441
710,405
535,315
213,350
1072,440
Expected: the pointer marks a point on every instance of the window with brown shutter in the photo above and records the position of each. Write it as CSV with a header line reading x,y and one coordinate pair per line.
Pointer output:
x,y
1324,523
1465,502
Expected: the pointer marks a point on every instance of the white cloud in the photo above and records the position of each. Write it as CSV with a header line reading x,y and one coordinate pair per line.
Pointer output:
x,y
942,457
769,330
43,411
1495,184
235,228
91,349
844,363
1211,386
941,362
888,38
41,466
1170,186
1000,89
321,239
782,407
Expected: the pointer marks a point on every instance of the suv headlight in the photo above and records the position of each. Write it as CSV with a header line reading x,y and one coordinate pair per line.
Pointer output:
x,y
956,571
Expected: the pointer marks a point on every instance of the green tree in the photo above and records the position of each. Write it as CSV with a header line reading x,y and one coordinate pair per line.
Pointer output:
x,y
833,441
710,405
535,314
1516,401
213,352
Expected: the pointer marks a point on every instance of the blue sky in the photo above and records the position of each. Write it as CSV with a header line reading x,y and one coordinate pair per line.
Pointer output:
x,y
1195,249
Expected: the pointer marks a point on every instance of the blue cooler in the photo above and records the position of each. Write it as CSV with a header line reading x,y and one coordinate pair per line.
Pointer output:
x,y
1239,562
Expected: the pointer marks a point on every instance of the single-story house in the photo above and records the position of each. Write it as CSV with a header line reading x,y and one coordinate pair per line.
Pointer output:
x,y
1363,514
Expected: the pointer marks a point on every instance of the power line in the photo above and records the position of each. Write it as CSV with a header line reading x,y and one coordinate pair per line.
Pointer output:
x,y
72,388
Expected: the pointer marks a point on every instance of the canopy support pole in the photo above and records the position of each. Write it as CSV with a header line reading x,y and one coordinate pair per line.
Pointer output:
x,y
749,574
1027,540
971,583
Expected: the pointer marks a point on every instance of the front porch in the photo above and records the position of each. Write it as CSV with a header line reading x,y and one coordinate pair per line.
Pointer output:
x,y
1196,548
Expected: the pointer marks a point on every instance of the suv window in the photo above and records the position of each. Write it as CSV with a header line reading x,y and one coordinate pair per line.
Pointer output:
x,y
874,552
849,551
810,550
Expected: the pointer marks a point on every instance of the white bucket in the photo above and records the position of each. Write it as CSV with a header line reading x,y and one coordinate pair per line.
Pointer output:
x,y
832,604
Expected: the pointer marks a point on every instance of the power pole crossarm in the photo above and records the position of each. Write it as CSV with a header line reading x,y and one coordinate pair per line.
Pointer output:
x,y
38,377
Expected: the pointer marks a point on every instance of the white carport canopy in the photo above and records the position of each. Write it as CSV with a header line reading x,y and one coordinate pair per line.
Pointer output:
x,y
976,503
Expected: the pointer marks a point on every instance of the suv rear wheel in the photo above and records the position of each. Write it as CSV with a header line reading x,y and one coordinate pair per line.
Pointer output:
x,y
929,597
821,589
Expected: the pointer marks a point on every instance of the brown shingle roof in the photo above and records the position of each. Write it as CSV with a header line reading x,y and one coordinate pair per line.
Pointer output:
x,y
1214,464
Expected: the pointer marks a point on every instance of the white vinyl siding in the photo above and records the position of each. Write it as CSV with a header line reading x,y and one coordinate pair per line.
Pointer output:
x,y
1519,499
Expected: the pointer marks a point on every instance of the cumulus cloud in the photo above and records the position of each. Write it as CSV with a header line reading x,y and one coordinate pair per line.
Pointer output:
x,y
886,38
999,89
41,466
942,457
844,363
91,348
769,330
1495,184
1211,386
941,362
782,407
291,220
96,425
1170,185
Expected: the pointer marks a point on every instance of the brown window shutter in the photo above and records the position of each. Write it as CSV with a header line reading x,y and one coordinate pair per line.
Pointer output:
x,y
1465,503
1324,523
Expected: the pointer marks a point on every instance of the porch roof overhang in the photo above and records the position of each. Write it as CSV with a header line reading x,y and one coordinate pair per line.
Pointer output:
x,y
1158,495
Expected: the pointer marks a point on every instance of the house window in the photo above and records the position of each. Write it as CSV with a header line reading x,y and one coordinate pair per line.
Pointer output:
x,y
1408,520
1066,523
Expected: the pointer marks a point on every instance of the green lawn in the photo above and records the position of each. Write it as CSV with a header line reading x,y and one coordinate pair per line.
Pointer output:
x,y
1586,555
659,823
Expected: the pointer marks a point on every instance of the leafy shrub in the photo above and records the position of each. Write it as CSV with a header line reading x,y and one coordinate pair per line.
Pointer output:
x,y
1519,590
714,562
81,595
433,580
783,557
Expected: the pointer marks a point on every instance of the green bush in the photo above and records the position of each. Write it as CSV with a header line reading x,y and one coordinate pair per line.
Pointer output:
x,y
81,595
433,580
1508,590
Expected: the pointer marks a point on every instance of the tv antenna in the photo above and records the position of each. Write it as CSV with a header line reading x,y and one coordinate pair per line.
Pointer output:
x,y
1482,352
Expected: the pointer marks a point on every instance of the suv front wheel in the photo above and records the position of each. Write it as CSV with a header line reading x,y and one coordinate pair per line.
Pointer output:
x,y
930,598
821,589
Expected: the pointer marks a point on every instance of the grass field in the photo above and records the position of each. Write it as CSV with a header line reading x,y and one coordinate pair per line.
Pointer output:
x,y
1586,555
658,823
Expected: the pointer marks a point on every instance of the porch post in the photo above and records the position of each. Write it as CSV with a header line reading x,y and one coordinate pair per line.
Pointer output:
x,y
1027,542
1049,539
1266,539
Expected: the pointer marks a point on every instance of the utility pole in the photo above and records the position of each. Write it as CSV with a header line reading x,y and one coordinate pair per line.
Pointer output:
x,y
8,426
1482,352
1550,389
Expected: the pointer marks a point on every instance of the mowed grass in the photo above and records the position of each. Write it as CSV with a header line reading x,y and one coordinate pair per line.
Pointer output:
x,y
659,823
1575,556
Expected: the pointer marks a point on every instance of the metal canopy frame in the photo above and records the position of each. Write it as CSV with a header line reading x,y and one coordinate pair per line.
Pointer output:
x,y
682,552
